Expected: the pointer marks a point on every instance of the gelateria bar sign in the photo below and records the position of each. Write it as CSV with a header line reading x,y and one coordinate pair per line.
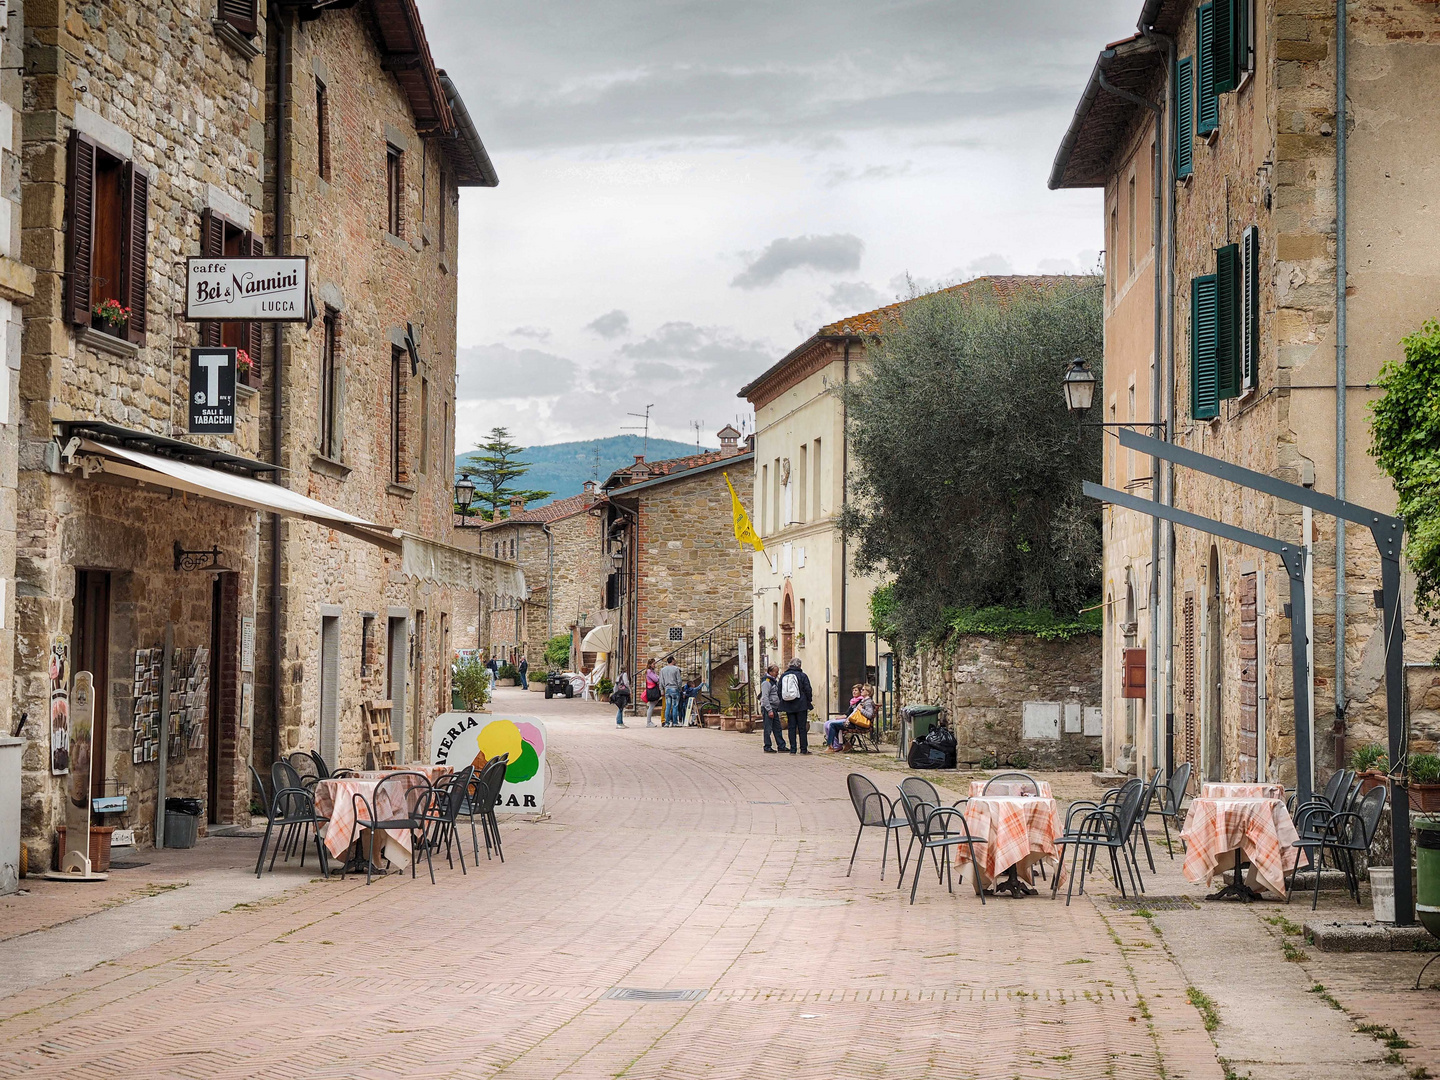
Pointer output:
x,y
272,288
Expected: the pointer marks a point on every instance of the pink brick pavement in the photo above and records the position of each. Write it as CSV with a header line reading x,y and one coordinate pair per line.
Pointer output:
x,y
671,859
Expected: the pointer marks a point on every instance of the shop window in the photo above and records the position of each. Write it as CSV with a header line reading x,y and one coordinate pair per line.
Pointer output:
x,y
107,209
221,238
394,190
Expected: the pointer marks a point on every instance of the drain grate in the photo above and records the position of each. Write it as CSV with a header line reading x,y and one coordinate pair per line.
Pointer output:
x,y
1154,903
629,993
126,864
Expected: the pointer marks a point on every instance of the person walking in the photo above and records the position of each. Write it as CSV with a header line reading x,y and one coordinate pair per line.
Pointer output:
x,y
652,692
670,680
770,709
795,703
524,668
620,697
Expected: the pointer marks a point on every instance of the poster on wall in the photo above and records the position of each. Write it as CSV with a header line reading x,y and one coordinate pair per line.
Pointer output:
x,y
212,391
59,664
460,739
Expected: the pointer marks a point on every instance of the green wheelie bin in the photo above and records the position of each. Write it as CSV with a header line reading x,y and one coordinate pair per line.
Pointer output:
x,y
1427,873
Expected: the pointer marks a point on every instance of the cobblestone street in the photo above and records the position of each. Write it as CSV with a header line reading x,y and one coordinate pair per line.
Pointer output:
x,y
681,860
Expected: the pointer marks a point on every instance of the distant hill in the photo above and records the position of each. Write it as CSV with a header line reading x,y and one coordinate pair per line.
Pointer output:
x,y
564,467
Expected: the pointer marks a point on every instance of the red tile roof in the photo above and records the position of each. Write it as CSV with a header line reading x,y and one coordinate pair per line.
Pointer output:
x,y
550,512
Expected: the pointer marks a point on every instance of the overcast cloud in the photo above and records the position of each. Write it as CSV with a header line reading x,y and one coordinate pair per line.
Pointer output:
x,y
719,180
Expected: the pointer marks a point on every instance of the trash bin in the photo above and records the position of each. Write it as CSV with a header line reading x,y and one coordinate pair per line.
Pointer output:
x,y
921,719
182,821
1427,873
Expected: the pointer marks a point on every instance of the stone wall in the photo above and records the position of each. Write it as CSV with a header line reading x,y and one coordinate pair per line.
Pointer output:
x,y
985,684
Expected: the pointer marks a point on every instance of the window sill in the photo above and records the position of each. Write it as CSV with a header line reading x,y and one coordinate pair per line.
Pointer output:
x,y
246,391
328,466
244,47
397,241
405,491
444,264
100,341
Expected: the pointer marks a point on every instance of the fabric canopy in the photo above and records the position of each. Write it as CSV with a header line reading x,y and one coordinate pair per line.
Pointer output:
x,y
600,640
443,564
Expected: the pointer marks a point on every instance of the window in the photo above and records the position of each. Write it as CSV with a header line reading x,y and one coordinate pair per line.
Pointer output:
x,y
322,130
367,643
1227,321
1250,310
424,426
330,386
803,623
1207,111
444,206
512,549
1204,389
241,14
1130,226
220,238
107,210
802,487
399,466
395,190
764,490
775,523
815,488
1112,257
1184,117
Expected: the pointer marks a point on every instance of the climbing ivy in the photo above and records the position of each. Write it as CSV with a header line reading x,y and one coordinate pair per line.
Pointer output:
x,y
993,621
1405,441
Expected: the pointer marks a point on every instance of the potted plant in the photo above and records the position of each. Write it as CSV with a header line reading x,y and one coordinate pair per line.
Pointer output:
x,y
800,639
604,688
508,675
471,682
1372,765
1422,780
111,316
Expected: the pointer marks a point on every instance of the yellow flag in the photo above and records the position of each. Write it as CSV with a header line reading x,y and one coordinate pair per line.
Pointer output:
x,y
744,532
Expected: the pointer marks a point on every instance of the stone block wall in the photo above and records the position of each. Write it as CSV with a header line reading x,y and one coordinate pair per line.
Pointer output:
x,y
984,683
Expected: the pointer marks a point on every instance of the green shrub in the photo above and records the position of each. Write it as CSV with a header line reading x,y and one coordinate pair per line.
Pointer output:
x,y
508,671
557,653
472,682
1424,769
604,687
1369,756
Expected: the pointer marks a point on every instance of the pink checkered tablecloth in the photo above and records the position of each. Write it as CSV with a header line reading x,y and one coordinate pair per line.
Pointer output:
x,y
1242,791
1018,831
1260,829
1008,787
335,799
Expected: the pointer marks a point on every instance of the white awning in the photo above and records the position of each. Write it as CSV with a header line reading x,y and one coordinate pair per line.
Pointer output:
x,y
429,560
600,640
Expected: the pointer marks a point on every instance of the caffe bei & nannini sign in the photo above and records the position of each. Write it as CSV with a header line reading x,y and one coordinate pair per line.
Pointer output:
x,y
268,288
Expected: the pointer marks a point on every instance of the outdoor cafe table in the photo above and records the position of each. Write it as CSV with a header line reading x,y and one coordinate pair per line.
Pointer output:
x,y
1242,791
1019,833
1219,833
1008,787
335,799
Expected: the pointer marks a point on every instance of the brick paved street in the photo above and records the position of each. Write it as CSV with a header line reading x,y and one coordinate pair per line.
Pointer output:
x,y
670,860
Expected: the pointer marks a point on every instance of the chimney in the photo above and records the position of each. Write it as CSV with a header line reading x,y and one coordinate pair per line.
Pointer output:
x,y
517,505
590,491
728,437
639,459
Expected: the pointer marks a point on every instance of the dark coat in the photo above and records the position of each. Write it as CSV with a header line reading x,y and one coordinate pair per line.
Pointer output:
x,y
800,705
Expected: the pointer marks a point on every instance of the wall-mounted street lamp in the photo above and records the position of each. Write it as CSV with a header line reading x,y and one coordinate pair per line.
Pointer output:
x,y
1079,387
464,496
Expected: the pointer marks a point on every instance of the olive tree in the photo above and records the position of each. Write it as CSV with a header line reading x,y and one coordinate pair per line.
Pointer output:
x,y
966,486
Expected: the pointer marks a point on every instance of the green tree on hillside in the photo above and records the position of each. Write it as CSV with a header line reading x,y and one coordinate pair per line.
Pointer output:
x,y
494,465
968,467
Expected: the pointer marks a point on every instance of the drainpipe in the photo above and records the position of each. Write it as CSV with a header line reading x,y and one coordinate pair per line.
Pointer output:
x,y
1340,374
549,582
844,492
282,176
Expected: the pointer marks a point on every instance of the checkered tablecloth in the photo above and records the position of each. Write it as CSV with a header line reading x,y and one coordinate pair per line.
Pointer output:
x,y
1242,791
335,799
1260,829
1018,831
430,772
1008,787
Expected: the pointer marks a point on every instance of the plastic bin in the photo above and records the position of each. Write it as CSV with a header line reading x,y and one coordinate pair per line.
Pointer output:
x,y
182,821
1427,873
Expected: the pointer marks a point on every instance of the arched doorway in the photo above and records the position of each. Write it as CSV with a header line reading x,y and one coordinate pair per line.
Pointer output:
x,y
1212,740
787,627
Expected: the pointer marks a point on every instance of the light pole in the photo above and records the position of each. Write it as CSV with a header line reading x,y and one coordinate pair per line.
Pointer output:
x,y
1079,388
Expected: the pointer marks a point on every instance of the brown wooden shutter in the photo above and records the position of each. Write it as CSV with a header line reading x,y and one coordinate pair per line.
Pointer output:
x,y
253,245
1133,683
134,253
241,14
79,227
212,246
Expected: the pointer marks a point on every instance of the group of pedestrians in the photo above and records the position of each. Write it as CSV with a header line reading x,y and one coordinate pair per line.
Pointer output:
x,y
665,686
788,696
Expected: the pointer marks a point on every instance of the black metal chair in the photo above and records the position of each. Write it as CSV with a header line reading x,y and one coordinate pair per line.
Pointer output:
x,y
1022,779
917,787
260,787
284,775
325,772
875,811
1343,833
293,810
937,829
1331,796
1147,803
304,764
480,797
441,812
1106,826
1171,797
415,795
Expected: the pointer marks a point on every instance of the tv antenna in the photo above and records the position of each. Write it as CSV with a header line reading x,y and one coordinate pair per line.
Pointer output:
x,y
698,425
646,429
595,463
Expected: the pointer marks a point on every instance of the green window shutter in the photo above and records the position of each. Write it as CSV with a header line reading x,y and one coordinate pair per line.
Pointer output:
x,y
1207,107
1223,44
1243,13
1250,308
1184,117
1204,399
1228,281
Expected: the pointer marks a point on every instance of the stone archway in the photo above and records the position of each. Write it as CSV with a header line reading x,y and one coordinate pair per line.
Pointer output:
x,y
787,627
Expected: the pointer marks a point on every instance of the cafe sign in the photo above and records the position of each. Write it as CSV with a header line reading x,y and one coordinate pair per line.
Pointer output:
x,y
459,739
271,288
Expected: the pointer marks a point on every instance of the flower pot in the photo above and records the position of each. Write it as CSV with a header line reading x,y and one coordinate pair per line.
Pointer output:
x,y
504,682
99,847
1370,779
1424,798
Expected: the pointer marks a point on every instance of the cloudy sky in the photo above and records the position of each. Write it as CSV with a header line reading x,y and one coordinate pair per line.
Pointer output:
x,y
689,188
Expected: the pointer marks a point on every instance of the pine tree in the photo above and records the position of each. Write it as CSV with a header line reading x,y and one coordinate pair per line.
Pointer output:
x,y
494,465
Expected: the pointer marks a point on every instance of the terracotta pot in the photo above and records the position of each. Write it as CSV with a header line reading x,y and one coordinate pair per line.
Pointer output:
x,y
1424,797
99,847
1370,779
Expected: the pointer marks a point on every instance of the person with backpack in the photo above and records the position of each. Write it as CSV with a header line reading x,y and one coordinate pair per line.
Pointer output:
x,y
770,709
795,703
652,693
620,697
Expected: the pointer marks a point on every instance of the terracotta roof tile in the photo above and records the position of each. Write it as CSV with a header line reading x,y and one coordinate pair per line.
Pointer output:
x,y
553,511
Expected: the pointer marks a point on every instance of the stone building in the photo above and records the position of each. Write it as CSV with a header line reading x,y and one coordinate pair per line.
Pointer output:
x,y
1259,328
805,586
676,571
557,548
152,135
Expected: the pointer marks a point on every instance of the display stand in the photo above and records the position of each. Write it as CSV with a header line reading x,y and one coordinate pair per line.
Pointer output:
x,y
75,859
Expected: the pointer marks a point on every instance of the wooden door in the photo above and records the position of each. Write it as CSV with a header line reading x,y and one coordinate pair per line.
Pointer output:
x,y
92,654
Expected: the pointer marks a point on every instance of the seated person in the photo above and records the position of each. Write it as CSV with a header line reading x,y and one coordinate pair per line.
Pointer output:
x,y
834,727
